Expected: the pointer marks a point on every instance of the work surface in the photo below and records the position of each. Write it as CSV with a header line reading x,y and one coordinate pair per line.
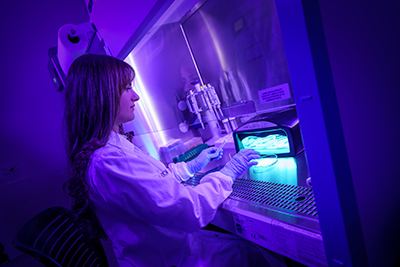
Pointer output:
x,y
274,207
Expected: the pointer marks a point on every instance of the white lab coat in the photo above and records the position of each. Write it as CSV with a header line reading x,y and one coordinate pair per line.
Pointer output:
x,y
151,218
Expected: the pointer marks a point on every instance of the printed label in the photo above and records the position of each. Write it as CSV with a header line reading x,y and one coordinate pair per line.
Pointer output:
x,y
275,93
256,231
301,245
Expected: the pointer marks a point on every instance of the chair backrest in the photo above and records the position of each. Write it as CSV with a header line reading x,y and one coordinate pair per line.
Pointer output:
x,y
53,237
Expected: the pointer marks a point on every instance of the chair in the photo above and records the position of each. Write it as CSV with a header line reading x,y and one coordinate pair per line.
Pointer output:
x,y
53,238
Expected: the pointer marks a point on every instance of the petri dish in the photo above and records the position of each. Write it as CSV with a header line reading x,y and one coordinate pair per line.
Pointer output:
x,y
265,163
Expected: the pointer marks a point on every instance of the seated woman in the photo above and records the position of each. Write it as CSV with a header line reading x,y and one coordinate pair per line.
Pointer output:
x,y
130,197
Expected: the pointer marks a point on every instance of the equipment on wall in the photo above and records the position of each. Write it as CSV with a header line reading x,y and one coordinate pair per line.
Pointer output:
x,y
73,41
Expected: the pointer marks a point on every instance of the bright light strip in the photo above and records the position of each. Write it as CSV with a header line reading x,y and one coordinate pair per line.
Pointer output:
x,y
146,112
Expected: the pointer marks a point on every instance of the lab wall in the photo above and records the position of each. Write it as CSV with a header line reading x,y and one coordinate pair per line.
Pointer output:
x,y
363,41
32,155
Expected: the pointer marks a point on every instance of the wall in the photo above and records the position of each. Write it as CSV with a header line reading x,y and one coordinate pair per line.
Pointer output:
x,y
32,157
363,44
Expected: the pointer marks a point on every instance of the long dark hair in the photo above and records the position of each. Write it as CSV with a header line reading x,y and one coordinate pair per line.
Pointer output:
x,y
93,88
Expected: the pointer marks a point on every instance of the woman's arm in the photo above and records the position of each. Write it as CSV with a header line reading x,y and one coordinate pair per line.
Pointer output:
x,y
149,193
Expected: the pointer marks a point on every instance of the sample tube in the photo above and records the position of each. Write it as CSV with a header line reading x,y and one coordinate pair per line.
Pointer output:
x,y
227,126
233,123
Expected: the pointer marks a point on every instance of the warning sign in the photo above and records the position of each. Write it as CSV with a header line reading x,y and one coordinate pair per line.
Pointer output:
x,y
275,93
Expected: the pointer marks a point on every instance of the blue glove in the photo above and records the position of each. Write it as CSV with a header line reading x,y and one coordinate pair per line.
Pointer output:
x,y
203,159
240,163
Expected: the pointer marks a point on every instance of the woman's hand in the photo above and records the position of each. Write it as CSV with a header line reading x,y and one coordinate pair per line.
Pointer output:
x,y
240,163
198,163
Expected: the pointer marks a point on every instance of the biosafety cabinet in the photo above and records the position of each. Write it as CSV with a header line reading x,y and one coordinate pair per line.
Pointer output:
x,y
254,74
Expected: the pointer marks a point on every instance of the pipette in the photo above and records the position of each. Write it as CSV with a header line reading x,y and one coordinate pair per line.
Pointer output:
x,y
221,146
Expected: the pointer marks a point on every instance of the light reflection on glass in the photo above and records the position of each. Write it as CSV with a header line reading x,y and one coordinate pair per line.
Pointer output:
x,y
146,117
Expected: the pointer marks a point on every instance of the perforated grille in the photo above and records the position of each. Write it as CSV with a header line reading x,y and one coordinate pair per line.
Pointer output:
x,y
294,199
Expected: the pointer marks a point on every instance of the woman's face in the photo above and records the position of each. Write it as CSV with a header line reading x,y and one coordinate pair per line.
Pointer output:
x,y
127,105
188,76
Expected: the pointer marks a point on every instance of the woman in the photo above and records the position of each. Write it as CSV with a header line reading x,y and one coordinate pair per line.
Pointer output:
x,y
123,193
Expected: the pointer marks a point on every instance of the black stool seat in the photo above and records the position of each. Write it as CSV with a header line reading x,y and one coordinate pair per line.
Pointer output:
x,y
53,238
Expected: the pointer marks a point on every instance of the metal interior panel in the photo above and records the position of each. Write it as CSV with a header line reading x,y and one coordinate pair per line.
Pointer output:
x,y
238,48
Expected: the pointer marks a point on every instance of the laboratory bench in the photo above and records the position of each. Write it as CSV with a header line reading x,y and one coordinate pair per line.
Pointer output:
x,y
273,206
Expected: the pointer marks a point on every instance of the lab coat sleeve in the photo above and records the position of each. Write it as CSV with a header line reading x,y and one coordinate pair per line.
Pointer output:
x,y
180,171
131,182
